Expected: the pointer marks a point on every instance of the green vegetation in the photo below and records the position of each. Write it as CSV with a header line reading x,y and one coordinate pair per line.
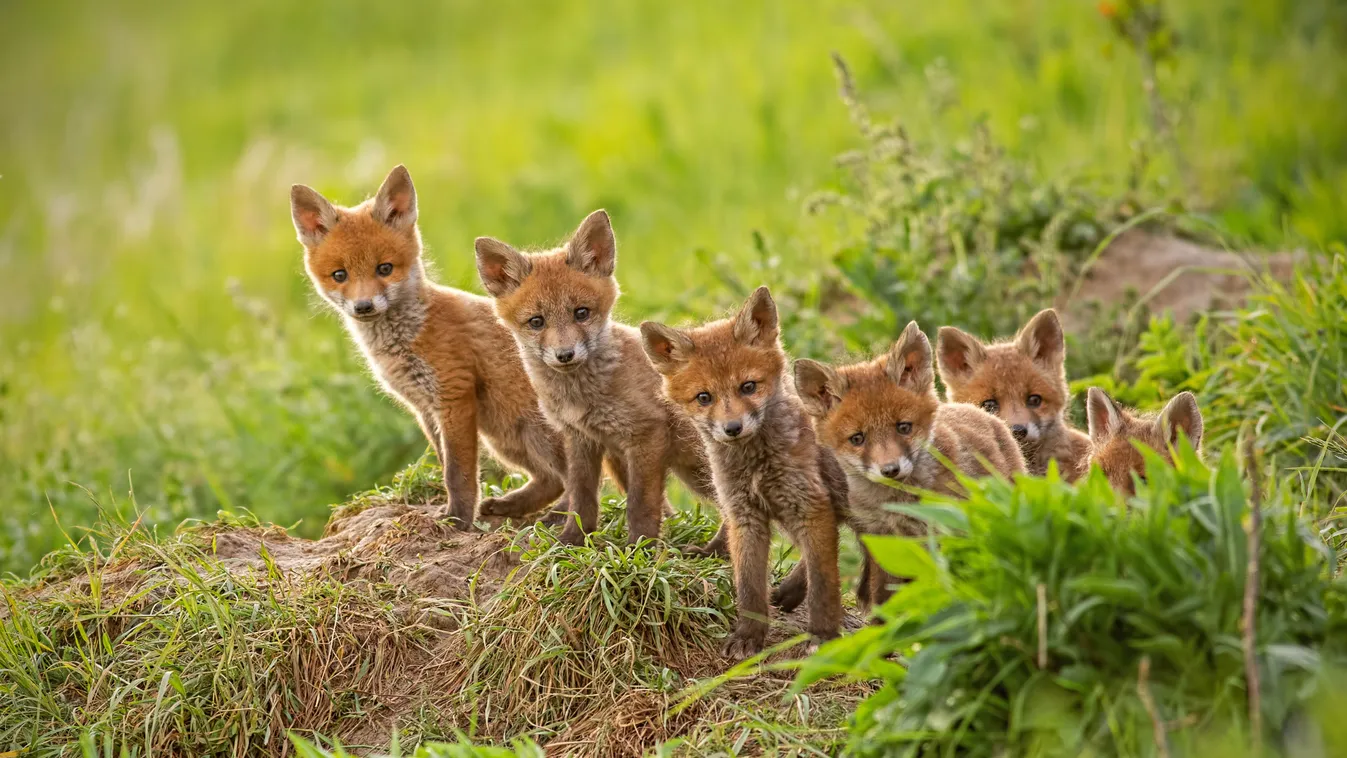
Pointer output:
x,y
159,339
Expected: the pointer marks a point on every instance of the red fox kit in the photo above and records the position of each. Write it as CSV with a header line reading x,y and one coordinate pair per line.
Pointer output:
x,y
1024,383
1114,429
437,350
591,375
729,378
882,420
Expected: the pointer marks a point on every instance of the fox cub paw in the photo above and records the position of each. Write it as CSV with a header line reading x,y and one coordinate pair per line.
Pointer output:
x,y
744,643
790,593
572,535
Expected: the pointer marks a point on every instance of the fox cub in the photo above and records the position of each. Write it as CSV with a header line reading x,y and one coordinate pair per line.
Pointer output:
x,y
1113,430
729,377
1022,381
886,426
437,350
592,376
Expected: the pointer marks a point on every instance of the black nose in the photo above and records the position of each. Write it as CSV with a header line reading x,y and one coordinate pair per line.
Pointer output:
x,y
1019,431
890,470
733,428
364,307
565,356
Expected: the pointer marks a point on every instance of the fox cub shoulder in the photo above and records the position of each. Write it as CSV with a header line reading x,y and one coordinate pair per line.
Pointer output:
x,y
1023,382
1114,430
592,376
729,377
437,350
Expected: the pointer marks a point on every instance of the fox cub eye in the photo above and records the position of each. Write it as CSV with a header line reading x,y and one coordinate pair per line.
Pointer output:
x,y
1034,401
704,398
991,406
904,427
857,439
536,322
581,314
384,269
748,388
339,275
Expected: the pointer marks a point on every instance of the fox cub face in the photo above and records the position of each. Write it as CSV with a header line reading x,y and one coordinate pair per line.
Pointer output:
x,y
726,374
366,259
1113,430
1023,382
875,416
556,303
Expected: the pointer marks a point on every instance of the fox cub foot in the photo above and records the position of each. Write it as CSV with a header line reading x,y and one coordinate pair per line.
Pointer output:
x,y
790,592
718,547
745,643
558,516
572,535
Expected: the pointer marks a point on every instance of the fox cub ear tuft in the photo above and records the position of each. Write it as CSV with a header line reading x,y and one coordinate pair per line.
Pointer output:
x,y
756,323
819,387
593,247
1041,339
1103,417
909,361
395,204
959,355
501,267
313,215
666,347
1182,413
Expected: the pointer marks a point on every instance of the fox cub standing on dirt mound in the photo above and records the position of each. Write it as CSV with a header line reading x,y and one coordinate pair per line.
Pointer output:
x,y
884,423
729,377
592,376
1024,383
438,350
1114,429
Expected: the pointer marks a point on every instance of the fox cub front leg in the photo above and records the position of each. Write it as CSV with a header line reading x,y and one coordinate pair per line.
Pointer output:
x,y
646,473
750,543
584,467
458,430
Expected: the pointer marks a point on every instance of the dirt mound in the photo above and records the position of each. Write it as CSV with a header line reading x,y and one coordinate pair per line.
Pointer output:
x,y
1171,274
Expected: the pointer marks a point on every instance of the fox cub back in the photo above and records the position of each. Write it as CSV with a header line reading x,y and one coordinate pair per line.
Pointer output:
x,y
1114,430
729,377
1023,382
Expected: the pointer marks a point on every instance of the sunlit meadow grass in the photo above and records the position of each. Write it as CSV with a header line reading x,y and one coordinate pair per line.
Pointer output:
x,y
156,330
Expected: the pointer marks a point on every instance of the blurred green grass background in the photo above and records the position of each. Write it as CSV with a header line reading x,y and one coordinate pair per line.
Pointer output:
x,y
157,332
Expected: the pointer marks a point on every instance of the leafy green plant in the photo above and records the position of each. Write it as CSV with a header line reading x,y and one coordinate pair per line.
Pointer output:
x,y
1049,620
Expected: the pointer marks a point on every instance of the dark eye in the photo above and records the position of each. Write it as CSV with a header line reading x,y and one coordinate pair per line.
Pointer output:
x,y
748,388
339,275
904,427
384,269
536,322
581,314
704,398
991,406
857,439
1033,401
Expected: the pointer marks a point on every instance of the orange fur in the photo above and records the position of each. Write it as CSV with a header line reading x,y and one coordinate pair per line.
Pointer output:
x,y
1022,381
438,350
1115,432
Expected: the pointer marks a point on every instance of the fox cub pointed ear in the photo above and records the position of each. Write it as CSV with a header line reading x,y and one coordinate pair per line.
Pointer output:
x,y
593,247
1041,339
1182,413
1103,416
756,323
666,347
819,386
313,215
909,361
959,354
501,267
395,204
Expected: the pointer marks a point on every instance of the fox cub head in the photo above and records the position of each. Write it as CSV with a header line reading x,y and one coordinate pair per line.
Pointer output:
x,y
877,417
556,303
1022,381
1114,429
725,375
365,259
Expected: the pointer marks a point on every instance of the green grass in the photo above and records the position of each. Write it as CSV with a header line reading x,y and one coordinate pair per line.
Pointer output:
x,y
158,334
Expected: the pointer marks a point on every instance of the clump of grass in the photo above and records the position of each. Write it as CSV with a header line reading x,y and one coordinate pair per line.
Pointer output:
x,y
1051,621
